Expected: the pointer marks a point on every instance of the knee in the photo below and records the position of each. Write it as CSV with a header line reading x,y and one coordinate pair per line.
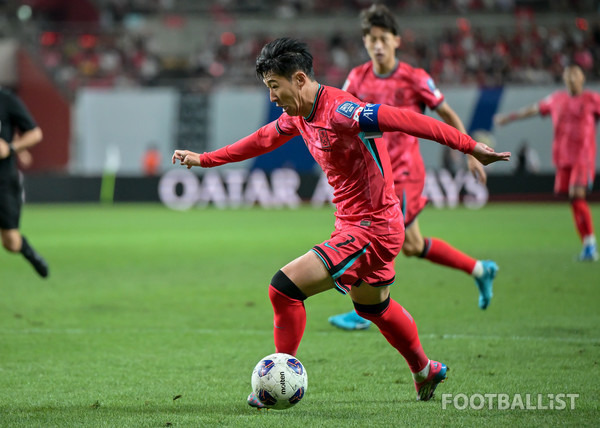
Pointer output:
x,y
576,193
372,310
286,286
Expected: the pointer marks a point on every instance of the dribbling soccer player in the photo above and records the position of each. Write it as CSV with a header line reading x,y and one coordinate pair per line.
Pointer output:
x,y
574,113
358,258
384,79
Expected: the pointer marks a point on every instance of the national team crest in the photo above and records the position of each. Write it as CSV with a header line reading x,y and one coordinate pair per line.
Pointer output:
x,y
324,138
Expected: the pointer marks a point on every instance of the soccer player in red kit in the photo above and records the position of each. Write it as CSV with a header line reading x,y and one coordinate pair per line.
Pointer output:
x,y
384,79
574,113
358,258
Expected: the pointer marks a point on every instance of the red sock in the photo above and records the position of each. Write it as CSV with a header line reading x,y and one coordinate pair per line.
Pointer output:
x,y
582,217
400,330
289,321
442,253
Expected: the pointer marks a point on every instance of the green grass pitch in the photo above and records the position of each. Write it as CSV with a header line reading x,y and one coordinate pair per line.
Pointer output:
x,y
156,318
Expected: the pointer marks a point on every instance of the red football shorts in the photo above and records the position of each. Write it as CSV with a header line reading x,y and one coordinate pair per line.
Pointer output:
x,y
354,254
411,198
578,175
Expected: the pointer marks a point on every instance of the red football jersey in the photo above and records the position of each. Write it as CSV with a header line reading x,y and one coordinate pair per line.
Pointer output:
x,y
574,122
405,87
337,133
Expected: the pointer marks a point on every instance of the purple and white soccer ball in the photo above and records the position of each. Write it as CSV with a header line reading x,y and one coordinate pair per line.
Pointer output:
x,y
279,381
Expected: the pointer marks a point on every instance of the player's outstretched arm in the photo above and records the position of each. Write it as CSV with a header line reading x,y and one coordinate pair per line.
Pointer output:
x,y
258,143
486,155
504,118
398,119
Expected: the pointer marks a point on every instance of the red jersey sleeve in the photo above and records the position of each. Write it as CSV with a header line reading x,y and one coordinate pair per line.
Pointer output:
x,y
545,105
349,83
425,87
596,104
266,139
389,119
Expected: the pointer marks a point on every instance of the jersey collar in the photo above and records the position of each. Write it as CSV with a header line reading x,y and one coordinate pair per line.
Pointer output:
x,y
389,73
312,113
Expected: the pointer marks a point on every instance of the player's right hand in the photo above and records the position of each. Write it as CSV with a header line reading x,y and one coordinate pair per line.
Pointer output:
x,y
186,157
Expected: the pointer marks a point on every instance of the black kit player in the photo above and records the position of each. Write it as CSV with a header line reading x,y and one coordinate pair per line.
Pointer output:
x,y
18,132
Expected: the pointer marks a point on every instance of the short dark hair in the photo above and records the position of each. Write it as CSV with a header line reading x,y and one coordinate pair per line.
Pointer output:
x,y
284,57
378,15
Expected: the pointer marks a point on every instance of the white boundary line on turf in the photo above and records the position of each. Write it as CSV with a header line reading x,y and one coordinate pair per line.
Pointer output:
x,y
592,341
76,331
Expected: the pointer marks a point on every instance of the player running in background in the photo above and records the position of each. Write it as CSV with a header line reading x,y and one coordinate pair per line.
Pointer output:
x,y
18,132
358,258
387,80
574,113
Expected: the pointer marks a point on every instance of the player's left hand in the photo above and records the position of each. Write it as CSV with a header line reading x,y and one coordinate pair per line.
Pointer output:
x,y
476,168
186,157
25,158
486,155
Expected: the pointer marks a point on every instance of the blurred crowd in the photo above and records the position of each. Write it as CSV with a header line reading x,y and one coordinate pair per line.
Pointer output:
x,y
286,8
111,54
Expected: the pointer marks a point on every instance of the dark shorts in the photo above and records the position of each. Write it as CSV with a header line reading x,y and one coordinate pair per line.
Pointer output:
x,y
11,201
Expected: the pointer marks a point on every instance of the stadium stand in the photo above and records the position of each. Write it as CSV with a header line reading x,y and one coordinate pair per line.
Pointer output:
x,y
198,45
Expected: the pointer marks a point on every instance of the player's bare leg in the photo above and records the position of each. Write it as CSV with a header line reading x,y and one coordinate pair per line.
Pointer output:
x,y
14,242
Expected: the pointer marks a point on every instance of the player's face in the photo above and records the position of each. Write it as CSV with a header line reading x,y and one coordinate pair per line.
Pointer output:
x,y
381,45
574,79
284,92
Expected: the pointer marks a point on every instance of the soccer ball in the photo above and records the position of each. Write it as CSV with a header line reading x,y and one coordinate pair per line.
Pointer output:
x,y
279,381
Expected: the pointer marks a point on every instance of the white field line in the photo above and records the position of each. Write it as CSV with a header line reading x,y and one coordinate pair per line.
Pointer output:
x,y
208,331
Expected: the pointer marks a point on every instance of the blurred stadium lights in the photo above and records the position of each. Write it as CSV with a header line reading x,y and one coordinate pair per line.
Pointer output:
x,y
24,13
228,38
582,24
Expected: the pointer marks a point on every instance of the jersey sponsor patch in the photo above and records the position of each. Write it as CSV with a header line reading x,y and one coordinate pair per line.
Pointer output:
x,y
433,88
347,109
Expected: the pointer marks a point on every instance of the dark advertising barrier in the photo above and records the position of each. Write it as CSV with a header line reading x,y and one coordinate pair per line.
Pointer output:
x,y
184,189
